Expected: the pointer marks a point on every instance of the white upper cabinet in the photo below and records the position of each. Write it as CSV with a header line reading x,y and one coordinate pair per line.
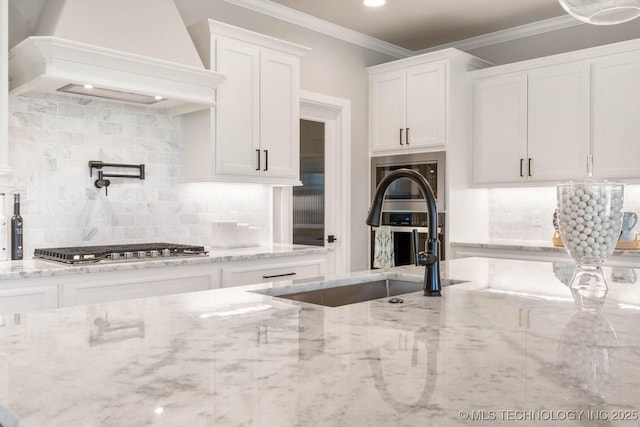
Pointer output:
x,y
616,116
238,113
532,125
558,122
500,128
387,111
253,133
580,114
280,115
410,101
408,107
4,87
426,104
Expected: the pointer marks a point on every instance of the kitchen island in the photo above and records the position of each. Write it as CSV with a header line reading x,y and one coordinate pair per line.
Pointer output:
x,y
512,345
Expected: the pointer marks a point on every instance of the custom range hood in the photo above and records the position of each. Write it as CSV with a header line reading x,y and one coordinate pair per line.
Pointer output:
x,y
137,52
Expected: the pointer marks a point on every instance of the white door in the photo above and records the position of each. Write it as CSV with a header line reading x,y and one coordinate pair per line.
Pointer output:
x,y
334,116
237,118
387,111
559,122
616,116
500,129
425,105
279,111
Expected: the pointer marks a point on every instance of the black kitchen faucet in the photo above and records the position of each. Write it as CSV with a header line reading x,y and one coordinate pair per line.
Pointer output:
x,y
431,257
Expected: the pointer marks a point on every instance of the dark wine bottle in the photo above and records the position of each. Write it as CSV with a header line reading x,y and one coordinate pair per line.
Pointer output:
x,y
16,229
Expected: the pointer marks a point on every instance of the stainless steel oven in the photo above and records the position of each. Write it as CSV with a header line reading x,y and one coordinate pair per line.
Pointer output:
x,y
403,195
402,225
404,208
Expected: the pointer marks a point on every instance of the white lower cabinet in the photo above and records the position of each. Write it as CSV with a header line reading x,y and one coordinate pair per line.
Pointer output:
x,y
43,293
28,298
115,286
263,271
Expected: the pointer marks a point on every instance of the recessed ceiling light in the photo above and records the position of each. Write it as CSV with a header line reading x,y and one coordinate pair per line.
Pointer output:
x,y
158,97
88,86
374,3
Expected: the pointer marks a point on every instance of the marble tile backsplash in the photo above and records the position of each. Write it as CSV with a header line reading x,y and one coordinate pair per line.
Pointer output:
x,y
52,139
525,214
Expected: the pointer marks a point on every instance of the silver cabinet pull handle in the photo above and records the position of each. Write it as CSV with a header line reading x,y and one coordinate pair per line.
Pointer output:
x,y
407,136
258,162
266,160
401,136
279,275
530,166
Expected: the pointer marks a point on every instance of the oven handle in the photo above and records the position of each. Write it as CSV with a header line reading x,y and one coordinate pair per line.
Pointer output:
x,y
408,229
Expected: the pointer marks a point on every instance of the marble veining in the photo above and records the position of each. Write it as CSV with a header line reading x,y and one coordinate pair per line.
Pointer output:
x,y
34,268
512,341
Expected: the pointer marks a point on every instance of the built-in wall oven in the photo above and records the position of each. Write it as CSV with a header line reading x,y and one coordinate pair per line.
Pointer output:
x,y
404,208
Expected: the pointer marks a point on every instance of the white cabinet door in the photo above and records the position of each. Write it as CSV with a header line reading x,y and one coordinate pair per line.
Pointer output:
x,y
108,287
279,114
616,116
28,298
256,120
238,115
500,129
408,108
387,111
425,105
559,104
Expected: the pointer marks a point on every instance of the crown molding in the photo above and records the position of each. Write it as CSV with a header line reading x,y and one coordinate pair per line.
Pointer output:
x,y
515,33
305,20
276,10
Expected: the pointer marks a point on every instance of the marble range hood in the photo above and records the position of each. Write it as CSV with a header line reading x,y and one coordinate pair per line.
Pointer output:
x,y
131,51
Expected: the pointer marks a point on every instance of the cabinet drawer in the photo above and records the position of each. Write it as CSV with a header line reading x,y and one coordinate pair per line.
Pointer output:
x,y
91,292
22,300
272,272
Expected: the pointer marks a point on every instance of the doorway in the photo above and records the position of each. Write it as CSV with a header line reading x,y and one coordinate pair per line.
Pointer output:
x,y
331,228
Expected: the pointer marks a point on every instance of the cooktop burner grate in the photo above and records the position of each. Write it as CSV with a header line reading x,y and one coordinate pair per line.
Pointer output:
x,y
128,252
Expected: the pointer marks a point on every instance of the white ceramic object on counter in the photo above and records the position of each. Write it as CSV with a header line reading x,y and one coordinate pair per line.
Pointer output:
x,y
224,234
629,221
231,234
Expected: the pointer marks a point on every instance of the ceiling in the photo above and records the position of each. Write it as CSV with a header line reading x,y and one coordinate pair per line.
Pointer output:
x,y
410,24
422,24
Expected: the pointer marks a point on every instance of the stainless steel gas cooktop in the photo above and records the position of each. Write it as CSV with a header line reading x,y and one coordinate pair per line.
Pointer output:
x,y
116,253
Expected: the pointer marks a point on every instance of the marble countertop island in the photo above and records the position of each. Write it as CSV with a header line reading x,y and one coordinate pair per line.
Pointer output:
x,y
510,346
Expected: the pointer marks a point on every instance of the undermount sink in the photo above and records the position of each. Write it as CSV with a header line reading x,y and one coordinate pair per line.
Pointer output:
x,y
354,293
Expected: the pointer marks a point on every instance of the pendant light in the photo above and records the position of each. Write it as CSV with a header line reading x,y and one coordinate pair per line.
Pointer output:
x,y
602,12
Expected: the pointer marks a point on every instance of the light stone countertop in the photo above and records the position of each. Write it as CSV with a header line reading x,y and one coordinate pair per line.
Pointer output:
x,y
510,344
537,246
33,268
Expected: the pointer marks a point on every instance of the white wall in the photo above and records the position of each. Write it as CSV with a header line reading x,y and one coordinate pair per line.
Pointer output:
x,y
52,139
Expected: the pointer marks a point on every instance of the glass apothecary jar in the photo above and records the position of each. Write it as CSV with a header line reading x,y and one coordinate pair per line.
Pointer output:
x,y
590,221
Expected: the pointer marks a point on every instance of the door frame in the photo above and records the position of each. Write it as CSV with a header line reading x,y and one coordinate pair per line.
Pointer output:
x,y
338,158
